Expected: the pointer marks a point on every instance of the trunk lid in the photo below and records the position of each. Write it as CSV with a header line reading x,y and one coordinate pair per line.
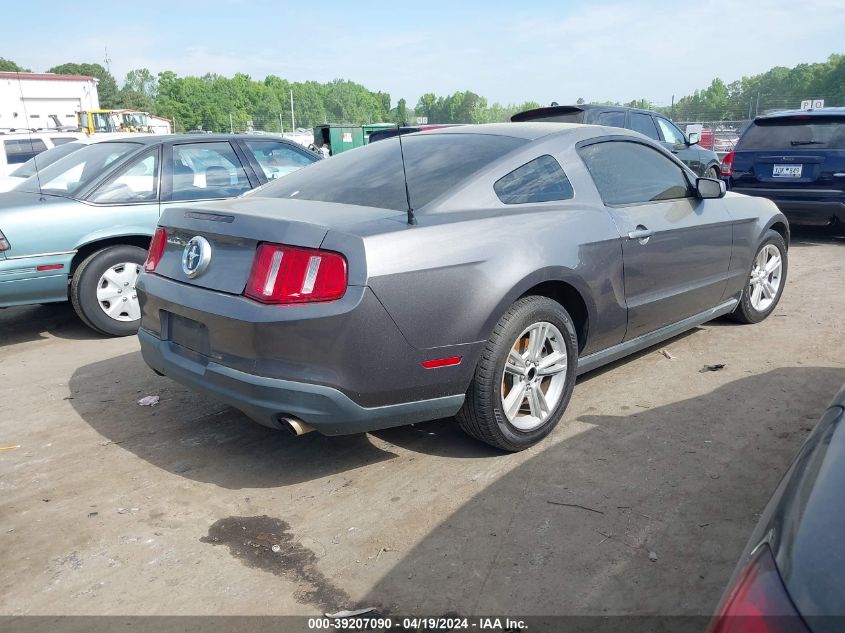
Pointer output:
x,y
235,228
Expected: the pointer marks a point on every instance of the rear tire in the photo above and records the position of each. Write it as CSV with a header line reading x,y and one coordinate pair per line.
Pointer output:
x,y
714,173
483,414
110,272
755,304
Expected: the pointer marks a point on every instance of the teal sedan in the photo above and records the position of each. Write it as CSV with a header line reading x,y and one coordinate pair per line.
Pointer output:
x,y
79,229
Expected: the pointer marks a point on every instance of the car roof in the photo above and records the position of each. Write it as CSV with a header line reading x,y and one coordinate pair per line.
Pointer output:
x,y
529,130
837,111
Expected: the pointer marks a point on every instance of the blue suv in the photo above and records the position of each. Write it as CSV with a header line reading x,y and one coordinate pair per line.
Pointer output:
x,y
797,160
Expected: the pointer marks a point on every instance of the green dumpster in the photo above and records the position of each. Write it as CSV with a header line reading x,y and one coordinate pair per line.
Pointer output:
x,y
339,138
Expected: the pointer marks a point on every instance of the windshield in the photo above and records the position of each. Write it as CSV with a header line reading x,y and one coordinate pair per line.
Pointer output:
x,y
45,158
802,131
372,175
70,175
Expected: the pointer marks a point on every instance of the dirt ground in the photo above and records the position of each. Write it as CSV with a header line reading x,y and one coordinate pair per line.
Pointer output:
x,y
108,507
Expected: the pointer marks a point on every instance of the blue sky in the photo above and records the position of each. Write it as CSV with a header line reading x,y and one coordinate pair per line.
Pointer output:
x,y
509,52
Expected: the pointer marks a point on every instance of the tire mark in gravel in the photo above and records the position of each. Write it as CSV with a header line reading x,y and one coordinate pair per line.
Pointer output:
x,y
266,543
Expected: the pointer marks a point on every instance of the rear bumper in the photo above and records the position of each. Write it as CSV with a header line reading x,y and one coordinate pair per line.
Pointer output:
x,y
264,399
802,208
342,367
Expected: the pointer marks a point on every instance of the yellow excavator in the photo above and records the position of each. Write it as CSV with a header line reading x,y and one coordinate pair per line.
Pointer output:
x,y
103,121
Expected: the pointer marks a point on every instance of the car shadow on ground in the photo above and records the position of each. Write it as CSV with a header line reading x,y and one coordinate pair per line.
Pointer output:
x,y
575,529
20,324
806,235
197,438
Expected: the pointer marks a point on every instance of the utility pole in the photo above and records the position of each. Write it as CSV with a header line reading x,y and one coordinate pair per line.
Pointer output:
x,y
673,107
292,119
281,124
231,126
757,107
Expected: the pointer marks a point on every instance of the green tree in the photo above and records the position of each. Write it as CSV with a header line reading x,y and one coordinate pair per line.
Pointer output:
x,y
106,85
8,66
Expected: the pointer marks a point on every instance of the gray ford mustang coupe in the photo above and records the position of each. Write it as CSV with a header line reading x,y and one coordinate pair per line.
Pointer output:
x,y
347,298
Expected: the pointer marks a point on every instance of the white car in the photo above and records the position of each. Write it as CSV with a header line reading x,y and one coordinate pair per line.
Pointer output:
x,y
18,147
50,156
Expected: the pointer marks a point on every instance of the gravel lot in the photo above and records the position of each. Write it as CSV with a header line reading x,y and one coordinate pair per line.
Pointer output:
x,y
113,508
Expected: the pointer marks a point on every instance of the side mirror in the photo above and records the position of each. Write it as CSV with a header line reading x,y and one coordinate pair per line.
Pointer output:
x,y
709,188
694,138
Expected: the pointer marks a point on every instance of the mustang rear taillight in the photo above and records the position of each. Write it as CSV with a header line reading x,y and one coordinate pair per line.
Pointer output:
x,y
156,250
758,602
291,274
4,243
728,164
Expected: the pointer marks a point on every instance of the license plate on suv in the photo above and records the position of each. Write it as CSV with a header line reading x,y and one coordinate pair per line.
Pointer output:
x,y
787,171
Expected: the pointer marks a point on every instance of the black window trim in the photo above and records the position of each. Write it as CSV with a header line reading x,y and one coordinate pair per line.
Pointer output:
x,y
544,202
654,146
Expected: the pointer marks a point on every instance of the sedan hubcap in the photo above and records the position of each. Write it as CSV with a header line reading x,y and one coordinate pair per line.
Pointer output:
x,y
534,376
116,292
765,278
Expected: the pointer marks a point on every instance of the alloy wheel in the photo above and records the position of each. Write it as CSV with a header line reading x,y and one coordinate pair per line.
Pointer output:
x,y
765,280
534,376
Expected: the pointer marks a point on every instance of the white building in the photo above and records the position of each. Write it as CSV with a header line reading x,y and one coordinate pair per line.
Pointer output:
x,y
40,100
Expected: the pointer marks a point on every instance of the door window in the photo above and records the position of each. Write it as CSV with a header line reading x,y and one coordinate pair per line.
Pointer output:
x,y
277,159
632,173
207,170
644,124
671,134
540,180
136,182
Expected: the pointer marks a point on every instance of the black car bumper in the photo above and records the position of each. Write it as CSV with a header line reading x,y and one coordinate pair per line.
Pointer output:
x,y
802,208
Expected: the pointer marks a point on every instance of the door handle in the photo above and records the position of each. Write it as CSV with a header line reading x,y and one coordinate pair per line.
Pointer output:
x,y
641,233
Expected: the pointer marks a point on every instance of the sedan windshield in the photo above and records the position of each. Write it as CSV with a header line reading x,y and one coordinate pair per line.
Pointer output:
x,y
72,174
45,159
372,176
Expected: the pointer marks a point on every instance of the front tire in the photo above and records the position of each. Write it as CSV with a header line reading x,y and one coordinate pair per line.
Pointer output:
x,y
766,281
524,378
103,290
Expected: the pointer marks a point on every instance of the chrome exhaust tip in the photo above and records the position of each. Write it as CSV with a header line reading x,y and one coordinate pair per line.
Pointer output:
x,y
294,426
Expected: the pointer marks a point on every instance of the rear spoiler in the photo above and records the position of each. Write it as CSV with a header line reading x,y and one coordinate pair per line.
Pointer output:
x,y
544,114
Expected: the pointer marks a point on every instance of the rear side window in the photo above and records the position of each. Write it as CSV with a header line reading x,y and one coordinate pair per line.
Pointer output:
x,y
540,180
277,159
372,175
644,124
61,140
632,173
21,150
796,132
613,119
